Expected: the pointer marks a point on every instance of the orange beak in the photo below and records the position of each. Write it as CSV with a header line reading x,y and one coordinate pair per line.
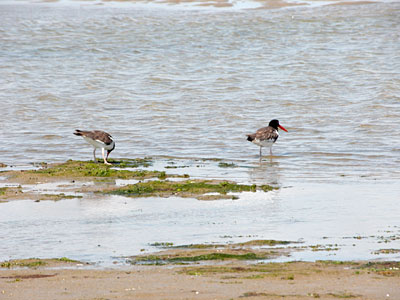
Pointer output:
x,y
282,128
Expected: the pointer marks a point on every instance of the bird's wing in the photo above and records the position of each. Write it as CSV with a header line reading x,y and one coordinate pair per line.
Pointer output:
x,y
267,133
96,135
102,136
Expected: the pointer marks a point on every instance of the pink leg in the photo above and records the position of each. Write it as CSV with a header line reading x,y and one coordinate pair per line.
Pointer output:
x,y
105,159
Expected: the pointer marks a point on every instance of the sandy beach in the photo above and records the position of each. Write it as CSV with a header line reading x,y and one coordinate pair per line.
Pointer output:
x,y
230,280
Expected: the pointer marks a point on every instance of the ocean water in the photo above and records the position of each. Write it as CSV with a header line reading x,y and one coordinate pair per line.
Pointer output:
x,y
166,80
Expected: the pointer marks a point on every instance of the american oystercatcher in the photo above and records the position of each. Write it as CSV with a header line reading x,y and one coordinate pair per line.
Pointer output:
x,y
98,139
266,136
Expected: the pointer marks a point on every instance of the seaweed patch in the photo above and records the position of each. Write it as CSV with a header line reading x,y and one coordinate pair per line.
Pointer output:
x,y
188,188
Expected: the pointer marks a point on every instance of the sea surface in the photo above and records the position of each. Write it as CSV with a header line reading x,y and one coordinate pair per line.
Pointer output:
x,y
190,82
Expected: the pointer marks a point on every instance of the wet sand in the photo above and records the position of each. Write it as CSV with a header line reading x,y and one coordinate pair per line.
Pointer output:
x,y
232,280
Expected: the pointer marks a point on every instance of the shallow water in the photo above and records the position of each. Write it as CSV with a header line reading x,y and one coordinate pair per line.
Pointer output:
x,y
192,83
103,230
345,220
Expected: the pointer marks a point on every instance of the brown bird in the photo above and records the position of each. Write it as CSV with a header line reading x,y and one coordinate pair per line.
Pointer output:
x,y
98,139
266,136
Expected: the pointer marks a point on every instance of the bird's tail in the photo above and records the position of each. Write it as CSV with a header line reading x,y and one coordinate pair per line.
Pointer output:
x,y
250,137
78,132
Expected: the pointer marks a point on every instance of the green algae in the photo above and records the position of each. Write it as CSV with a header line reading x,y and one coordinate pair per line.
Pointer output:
x,y
30,263
68,260
227,165
201,246
162,244
186,188
3,191
90,169
267,188
162,175
165,259
9,192
270,269
175,167
253,243
261,294
57,197
265,243
386,251
132,162
36,262
330,247
336,262
384,268
343,295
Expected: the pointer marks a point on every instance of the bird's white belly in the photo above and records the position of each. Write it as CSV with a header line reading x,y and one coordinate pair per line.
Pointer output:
x,y
98,144
263,143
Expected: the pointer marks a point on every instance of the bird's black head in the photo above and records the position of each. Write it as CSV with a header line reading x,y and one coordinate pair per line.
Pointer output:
x,y
109,151
274,124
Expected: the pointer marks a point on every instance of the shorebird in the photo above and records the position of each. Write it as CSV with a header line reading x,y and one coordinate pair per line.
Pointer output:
x,y
266,136
98,139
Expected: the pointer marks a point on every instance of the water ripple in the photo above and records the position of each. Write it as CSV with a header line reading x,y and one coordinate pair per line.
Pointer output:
x,y
194,83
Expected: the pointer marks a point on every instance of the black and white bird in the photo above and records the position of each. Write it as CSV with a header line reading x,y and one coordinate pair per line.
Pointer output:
x,y
266,136
98,139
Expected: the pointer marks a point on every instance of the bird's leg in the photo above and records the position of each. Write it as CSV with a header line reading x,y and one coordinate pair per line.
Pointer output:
x,y
94,155
104,157
260,152
270,151
108,153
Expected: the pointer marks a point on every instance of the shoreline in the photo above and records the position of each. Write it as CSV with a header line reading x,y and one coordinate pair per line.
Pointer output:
x,y
229,280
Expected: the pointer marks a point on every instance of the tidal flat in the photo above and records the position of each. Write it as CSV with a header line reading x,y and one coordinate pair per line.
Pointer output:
x,y
202,271
132,230
135,205
102,179
232,279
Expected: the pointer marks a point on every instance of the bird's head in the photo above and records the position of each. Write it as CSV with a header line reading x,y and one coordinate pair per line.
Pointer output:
x,y
275,124
109,151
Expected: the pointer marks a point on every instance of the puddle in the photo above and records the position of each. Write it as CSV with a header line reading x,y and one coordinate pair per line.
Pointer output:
x,y
66,187
6,184
202,169
122,182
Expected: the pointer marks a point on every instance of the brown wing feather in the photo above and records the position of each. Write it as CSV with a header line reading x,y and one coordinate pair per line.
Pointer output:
x,y
266,133
96,135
